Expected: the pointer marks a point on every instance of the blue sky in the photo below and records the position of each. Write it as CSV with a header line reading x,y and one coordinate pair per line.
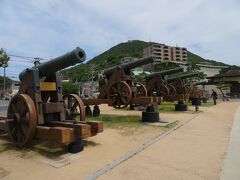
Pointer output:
x,y
49,28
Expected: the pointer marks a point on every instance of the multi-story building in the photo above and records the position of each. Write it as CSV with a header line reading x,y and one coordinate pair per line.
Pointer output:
x,y
163,53
179,54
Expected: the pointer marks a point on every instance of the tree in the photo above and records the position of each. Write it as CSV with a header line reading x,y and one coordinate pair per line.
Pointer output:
x,y
4,58
164,66
70,88
223,85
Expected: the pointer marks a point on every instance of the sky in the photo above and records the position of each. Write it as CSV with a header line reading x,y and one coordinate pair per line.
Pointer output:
x,y
49,28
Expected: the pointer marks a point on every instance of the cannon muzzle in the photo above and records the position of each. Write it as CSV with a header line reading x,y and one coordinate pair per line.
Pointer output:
x,y
129,66
184,76
164,73
49,68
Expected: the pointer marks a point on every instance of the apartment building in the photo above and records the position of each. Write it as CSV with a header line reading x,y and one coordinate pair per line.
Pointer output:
x,y
163,53
179,54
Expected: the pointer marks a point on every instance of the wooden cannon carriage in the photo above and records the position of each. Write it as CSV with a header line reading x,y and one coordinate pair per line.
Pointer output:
x,y
183,90
39,110
119,90
156,85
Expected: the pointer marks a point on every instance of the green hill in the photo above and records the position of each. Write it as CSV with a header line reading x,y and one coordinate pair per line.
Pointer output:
x,y
114,55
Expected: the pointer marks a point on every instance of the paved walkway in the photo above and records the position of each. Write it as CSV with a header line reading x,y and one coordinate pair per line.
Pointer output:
x,y
231,169
3,105
195,151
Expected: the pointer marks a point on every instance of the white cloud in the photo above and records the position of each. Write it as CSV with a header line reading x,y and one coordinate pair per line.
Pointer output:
x,y
48,28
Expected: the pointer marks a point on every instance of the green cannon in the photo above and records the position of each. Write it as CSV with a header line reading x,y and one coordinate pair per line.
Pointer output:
x,y
156,85
164,73
128,66
182,77
49,68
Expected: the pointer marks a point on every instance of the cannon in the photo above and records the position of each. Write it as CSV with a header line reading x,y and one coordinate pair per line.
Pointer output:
x,y
183,90
179,84
40,110
182,77
128,66
119,90
156,85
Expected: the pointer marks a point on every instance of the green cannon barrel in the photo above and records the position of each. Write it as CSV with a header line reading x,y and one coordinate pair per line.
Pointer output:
x,y
48,68
184,76
129,66
164,73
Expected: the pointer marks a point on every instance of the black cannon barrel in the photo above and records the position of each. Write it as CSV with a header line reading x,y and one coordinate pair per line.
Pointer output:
x,y
129,66
164,73
48,68
181,77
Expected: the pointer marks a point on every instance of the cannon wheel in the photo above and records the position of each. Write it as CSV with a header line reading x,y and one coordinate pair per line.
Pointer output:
x,y
141,90
120,94
172,89
74,107
159,90
22,119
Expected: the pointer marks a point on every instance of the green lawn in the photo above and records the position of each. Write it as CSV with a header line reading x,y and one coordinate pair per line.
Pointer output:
x,y
116,121
167,107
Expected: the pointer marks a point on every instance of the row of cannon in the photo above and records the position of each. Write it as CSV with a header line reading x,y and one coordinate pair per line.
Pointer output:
x,y
120,90
40,110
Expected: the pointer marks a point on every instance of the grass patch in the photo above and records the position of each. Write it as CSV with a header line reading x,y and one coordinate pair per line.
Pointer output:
x,y
209,103
167,107
118,121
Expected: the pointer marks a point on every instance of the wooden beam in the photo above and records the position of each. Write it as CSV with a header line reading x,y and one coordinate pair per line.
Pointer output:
x,y
94,101
55,135
96,127
80,130
52,107
146,100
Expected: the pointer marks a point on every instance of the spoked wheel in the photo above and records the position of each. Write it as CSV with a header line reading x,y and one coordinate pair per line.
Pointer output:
x,y
159,90
183,90
22,119
141,90
120,94
172,89
74,107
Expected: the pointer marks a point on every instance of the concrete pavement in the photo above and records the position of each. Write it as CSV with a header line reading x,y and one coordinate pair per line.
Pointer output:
x,y
195,151
3,106
231,168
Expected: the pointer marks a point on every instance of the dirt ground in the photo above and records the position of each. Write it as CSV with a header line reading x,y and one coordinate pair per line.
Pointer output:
x,y
100,151
195,151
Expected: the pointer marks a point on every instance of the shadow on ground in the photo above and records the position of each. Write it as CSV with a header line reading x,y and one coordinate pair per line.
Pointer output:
x,y
36,147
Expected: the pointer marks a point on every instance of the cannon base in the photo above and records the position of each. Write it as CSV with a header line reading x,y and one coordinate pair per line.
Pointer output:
x,y
150,115
76,146
67,132
180,106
